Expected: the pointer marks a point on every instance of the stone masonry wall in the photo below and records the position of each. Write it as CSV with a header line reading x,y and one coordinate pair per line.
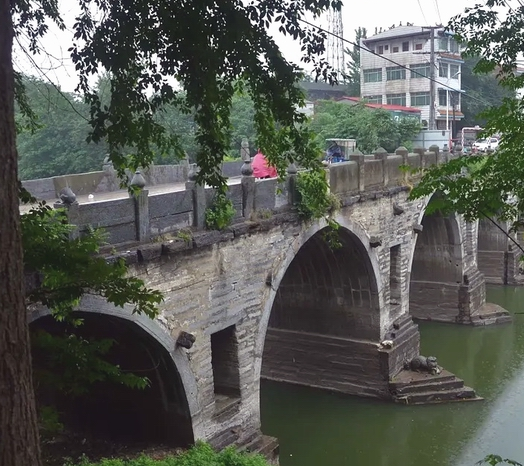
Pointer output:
x,y
498,257
236,279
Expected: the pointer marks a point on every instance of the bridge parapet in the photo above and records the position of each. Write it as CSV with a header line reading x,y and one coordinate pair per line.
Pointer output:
x,y
156,212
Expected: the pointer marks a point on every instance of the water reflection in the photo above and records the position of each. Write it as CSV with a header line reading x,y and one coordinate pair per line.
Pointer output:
x,y
319,428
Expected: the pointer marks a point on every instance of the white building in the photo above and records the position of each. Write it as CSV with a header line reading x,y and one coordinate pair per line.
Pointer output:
x,y
410,46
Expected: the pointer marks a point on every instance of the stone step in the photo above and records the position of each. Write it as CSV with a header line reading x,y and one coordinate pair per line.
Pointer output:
x,y
269,448
225,407
430,386
263,445
430,397
491,319
407,378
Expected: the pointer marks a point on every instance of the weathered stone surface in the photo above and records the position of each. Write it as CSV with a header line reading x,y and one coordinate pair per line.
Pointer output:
x,y
268,297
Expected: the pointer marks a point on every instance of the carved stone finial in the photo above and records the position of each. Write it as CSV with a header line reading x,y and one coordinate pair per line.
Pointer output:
x,y
247,169
417,228
193,172
67,196
185,340
380,151
138,180
244,150
434,148
397,210
292,169
375,242
107,165
356,152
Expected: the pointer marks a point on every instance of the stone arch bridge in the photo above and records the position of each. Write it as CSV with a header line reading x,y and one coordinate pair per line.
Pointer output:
x,y
268,298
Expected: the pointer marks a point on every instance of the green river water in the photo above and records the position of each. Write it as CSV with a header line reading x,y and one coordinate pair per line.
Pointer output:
x,y
318,428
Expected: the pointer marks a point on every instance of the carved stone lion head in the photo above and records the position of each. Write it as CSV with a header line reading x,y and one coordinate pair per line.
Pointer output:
x,y
432,362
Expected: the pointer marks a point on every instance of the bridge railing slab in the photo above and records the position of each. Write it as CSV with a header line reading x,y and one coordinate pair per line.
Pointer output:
x,y
149,215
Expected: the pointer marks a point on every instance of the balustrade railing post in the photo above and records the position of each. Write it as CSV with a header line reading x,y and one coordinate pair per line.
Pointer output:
x,y
382,154
291,184
248,188
68,201
358,157
199,198
439,156
141,199
420,151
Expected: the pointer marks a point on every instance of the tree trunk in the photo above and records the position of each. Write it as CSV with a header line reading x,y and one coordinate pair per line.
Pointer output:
x,y
19,443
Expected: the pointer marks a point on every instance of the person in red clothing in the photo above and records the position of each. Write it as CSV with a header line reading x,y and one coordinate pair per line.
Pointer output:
x,y
261,168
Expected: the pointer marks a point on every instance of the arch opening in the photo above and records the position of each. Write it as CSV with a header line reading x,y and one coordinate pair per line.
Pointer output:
x,y
157,414
436,269
325,319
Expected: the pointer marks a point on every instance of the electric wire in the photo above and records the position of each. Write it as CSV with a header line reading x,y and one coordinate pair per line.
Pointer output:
x,y
434,80
438,11
389,60
422,11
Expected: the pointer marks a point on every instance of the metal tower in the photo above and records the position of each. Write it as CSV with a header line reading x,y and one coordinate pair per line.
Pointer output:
x,y
335,43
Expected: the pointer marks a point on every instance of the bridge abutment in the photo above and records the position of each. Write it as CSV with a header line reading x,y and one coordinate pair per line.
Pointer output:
x,y
498,257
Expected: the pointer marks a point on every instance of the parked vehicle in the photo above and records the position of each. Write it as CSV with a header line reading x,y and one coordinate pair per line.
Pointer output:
x,y
484,145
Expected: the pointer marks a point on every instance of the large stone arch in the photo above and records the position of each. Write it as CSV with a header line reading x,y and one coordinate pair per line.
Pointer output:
x,y
444,282
181,385
341,356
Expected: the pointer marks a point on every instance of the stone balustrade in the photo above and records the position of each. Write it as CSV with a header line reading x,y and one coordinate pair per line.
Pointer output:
x,y
150,214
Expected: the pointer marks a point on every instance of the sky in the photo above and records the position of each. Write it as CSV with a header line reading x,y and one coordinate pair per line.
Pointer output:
x,y
356,13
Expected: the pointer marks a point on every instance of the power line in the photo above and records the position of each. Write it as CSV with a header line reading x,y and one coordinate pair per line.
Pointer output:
x,y
422,75
438,11
422,11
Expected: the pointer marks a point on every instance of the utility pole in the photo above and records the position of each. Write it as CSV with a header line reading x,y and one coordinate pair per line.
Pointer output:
x,y
432,75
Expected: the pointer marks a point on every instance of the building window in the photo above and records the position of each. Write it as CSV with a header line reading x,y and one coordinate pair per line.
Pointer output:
x,y
380,49
443,44
442,98
395,49
418,46
443,70
373,99
396,99
394,73
454,71
373,76
454,46
386,47
419,99
405,46
420,70
441,124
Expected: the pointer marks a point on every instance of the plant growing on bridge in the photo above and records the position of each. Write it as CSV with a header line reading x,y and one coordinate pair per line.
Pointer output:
x,y
315,201
221,212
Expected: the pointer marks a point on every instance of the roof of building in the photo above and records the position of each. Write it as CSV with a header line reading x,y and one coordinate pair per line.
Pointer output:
x,y
451,56
399,31
391,108
321,86
443,111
